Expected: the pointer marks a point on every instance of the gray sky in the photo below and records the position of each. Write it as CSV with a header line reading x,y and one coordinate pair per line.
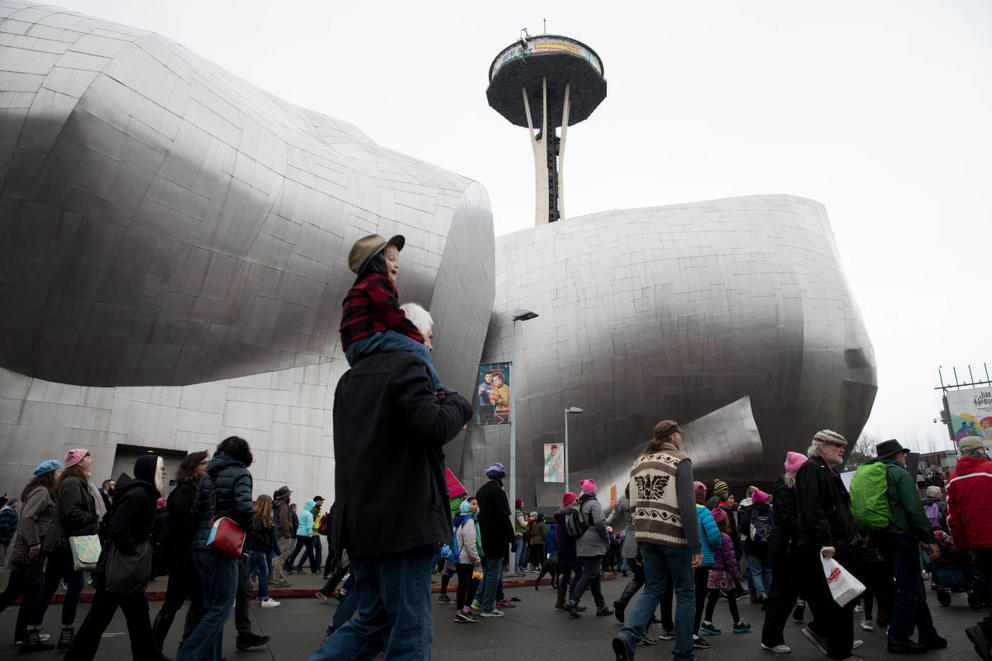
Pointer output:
x,y
880,110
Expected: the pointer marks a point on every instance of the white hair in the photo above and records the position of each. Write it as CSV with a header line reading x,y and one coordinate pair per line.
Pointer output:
x,y
419,317
813,450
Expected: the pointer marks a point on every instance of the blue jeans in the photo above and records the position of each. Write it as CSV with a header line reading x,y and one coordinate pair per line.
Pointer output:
x,y
520,557
392,341
219,577
760,573
663,564
258,561
491,583
347,606
394,610
59,567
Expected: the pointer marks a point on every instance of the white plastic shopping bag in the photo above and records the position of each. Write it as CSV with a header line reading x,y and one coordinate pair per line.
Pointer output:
x,y
844,587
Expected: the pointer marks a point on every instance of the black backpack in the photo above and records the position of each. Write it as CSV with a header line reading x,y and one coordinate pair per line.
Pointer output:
x,y
575,523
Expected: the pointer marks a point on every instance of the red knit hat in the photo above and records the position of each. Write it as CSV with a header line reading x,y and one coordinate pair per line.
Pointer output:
x,y
567,498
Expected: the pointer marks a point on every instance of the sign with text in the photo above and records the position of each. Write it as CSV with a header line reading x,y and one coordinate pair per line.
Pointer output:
x,y
971,412
493,394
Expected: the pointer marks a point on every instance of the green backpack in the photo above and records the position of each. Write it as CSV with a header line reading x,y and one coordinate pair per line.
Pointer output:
x,y
869,496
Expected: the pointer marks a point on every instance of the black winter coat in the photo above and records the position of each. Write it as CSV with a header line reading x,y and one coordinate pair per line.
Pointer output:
x,y
786,531
131,522
182,525
389,430
824,507
232,483
76,515
494,520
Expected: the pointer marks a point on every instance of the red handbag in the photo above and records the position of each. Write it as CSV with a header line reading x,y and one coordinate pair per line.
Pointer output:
x,y
226,536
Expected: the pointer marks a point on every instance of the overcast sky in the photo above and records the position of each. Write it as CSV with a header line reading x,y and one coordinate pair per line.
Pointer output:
x,y
881,110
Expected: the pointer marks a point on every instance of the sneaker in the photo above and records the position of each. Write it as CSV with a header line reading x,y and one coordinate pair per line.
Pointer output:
x,y
444,599
856,644
464,616
572,609
41,637
269,602
491,614
800,611
866,625
700,643
777,649
981,642
709,628
819,643
504,603
476,606
246,641
742,627
603,611
666,635
320,596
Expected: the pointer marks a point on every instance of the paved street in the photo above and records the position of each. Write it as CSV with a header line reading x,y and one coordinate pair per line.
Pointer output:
x,y
533,630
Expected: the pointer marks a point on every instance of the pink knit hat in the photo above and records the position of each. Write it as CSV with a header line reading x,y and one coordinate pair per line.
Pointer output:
x,y
588,486
759,496
718,514
793,460
700,490
73,457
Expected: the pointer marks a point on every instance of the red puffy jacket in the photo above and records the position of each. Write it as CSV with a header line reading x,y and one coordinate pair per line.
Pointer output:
x,y
969,498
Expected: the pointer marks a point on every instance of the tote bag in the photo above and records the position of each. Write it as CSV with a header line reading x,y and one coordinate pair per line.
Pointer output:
x,y
85,551
128,572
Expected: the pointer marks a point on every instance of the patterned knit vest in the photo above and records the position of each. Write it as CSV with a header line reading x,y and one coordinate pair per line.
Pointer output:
x,y
655,505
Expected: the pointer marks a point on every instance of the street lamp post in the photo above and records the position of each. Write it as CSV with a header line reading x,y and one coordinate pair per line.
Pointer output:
x,y
518,315
569,411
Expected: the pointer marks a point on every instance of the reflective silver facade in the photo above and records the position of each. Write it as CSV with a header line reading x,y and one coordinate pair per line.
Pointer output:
x,y
173,246
731,315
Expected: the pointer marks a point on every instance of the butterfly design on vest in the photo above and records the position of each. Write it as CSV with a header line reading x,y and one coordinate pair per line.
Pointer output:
x,y
651,487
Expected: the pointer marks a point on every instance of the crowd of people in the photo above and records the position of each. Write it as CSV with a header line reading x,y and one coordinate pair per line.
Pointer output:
x,y
687,545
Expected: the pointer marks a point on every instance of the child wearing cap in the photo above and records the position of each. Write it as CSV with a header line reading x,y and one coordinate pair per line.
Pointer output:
x,y
371,318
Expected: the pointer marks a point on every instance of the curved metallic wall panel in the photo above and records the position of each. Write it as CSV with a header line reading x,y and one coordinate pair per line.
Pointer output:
x,y
181,237
737,307
163,222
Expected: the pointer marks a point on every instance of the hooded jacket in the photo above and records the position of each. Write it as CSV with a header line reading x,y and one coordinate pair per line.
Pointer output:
x,y
709,535
595,540
131,521
389,431
232,483
969,497
467,535
494,519
305,526
566,544
905,507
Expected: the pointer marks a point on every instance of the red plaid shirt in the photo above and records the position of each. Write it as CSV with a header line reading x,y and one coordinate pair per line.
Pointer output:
x,y
372,306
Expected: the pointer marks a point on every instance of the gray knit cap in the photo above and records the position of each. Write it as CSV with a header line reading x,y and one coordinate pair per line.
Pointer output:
x,y
829,437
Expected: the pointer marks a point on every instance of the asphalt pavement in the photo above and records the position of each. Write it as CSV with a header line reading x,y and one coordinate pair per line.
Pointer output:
x,y
532,630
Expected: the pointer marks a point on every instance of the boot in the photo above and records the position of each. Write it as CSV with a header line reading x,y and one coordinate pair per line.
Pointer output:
x,y
753,596
65,638
620,604
160,627
560,603
32,643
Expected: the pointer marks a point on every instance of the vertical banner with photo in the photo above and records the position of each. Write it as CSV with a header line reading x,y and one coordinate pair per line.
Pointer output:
x,y
554,463
493,393
613,495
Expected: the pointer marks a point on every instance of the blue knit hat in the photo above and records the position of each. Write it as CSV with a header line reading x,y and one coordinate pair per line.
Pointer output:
x,y
47,466
495,471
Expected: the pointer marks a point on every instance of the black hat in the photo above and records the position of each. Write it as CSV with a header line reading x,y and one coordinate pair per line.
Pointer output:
x,y
889,448
318,499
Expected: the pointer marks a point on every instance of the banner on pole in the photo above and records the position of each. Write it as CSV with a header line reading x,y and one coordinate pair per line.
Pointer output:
x,y
971,412
493,392
554,463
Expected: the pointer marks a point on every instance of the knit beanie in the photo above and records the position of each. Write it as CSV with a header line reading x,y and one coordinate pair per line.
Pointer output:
x,y
718,514
934,492
569,497
828,436
793,460
73,457
519,503
759,496
719,486
700,490
588,486
495,471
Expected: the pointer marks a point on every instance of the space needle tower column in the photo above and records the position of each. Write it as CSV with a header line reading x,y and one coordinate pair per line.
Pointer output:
x,y
543,83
